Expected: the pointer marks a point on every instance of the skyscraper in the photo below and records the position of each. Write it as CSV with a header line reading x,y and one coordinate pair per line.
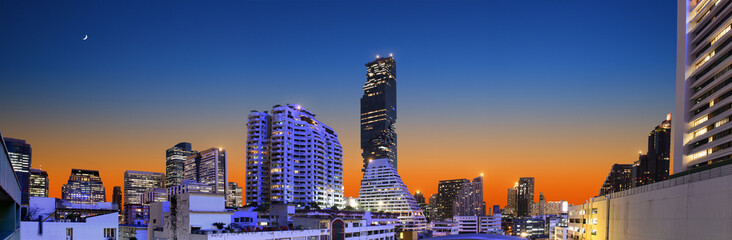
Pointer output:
x,y
234,195
84,186
379,112
382,189
524,196
175,158
702,99
117,197
620,178
511,200
20,156
469,200
447,191
292,158
38,186
654,165
208,167
138,182
419,197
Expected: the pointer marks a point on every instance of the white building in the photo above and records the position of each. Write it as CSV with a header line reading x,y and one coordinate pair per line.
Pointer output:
x,y
478,224
701,124
292,159
382,189
234,195
97,227
443,228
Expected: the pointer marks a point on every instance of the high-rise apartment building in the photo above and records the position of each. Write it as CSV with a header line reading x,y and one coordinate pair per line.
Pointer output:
x,y
447,191
379,112
524,196
654,165
620,178
382,189
703,74
469,200
20,156
175,159
234,195
208,167
38,186
138,182
84,186
292,158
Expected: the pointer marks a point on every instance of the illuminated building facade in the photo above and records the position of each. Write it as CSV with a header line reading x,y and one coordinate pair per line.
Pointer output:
x,y
20,154
447,191
703,80
208,167
469,200
620,178
292,158
175,159
524,196
84,186
38,183
234,195
382,189
379,113
137,183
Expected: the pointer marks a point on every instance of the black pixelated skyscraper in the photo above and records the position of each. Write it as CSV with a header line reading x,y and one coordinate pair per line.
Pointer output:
x,y
379,113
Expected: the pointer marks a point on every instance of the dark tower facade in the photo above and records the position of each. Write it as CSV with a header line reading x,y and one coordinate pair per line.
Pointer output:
x,y
654,165
524,196
379,112
20,156
447,192
175,159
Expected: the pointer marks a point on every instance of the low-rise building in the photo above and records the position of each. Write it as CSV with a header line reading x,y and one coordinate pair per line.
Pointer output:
x,y
60,219
443,228
478,224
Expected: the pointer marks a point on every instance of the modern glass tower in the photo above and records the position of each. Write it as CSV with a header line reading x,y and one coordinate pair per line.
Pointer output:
x,y
208,167
524,196
292,158
84,186
175,159
38,183
138,182
703,103
20,156
379,112
469,200
447,192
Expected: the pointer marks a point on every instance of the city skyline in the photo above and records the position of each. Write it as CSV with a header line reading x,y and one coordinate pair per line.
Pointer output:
x,y
423,106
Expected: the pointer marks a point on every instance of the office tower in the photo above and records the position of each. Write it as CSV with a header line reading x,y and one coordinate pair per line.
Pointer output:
x,y
511,200
20,156
84,186
208,167
379,113
292,158
138,182
154,195
469,199
496,209
175,158
419,197
382,189
189,186
654,165
702,73
524,196
620,178
431,208
234,195
38,183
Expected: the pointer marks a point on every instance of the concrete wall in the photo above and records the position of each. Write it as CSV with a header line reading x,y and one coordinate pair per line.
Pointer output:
x,y
696,210
92,229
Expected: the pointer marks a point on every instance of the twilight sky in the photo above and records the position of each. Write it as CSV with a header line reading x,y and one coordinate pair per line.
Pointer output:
x,y
557,90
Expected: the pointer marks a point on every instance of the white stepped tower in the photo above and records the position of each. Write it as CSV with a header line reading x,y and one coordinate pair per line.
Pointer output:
x,y
382,189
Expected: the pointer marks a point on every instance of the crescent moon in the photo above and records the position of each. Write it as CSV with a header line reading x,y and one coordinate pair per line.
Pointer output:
x,y
85,36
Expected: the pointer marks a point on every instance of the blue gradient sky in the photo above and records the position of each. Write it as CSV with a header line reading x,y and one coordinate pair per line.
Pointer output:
x,y
494,85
